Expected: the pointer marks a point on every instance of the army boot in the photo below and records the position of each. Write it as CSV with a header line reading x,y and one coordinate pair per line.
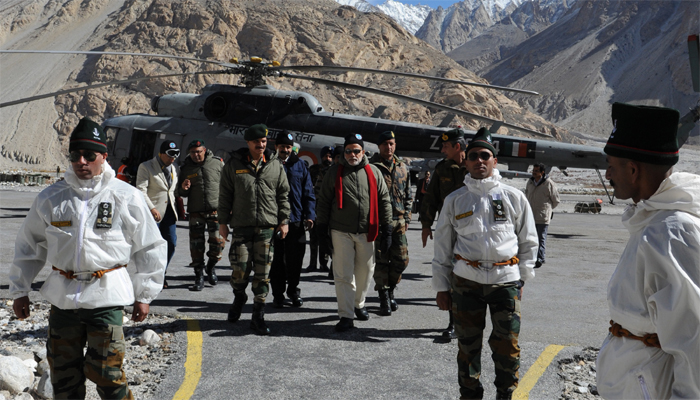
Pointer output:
x,y
384,308
449,332
198,280
211,273
239,300
392,302
257,323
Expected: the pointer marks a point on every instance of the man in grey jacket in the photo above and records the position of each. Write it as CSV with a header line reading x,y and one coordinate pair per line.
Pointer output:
x,y
543,197
352,206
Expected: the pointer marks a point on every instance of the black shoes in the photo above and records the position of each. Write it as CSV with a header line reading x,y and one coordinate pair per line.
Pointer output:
x,y
392,302
361,314
384,308
345,324
311,268
538,264
278,302
257,322
449,332
297,301
211,273
234,312
198,280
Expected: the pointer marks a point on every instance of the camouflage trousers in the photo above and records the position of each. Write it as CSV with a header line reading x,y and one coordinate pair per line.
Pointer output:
x,y
251,250
469,302
389,267
101,329
198,222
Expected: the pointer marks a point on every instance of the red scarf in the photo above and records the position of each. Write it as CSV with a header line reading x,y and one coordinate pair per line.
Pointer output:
x,y
373,231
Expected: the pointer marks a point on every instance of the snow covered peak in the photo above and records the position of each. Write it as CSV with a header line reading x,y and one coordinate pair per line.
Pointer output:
x,y
409,16
361,5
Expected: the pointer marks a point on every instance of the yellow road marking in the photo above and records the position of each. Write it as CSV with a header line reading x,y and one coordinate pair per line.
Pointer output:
x,y
193,364
522,392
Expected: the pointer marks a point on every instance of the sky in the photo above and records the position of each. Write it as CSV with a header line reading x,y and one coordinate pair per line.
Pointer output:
x,y
430,3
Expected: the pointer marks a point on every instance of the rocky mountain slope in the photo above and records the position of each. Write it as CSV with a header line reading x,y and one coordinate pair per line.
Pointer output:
x,y
294,32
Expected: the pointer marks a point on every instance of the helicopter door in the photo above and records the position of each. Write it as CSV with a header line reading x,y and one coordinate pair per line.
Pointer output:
x,y
142,145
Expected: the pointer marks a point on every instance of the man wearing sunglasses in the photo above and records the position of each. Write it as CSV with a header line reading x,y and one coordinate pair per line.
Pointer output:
x,y
88,227
352,209
485,248
157,180
448,177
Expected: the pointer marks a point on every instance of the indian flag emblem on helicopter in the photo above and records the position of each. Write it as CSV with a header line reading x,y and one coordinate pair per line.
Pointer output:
x,y
516,149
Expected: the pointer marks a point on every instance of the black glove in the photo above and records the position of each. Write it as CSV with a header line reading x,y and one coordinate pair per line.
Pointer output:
x,y
385,239
324,236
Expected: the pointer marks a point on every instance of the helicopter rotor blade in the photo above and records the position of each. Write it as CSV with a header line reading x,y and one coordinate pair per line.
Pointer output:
x,y
97,85
322,68
118,53
424,103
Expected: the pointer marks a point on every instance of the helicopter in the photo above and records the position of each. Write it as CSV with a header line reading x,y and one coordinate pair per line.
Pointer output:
x,y
220,114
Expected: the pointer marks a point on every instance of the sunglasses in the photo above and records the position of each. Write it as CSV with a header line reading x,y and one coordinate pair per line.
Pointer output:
x,y
173,153
484,155
353,151
89,156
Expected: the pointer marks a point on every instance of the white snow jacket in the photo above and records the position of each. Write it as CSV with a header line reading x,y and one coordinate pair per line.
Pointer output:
x,y
62,229
656,289
467,226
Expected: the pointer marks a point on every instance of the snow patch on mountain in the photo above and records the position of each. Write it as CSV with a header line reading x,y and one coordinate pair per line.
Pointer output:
x,y
409,16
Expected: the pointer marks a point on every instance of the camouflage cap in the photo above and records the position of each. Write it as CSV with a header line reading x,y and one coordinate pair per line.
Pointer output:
x,y
482,139
254,132
450,136
384,136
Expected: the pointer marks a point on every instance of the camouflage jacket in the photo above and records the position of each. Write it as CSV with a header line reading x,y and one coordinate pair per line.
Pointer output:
x,y
398,181
448,177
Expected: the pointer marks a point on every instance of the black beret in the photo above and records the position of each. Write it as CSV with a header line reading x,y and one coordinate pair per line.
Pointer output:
x,y
168,145
354,138
195,143
452,135
326,150
384,136
254,132
644,133
482,139
284,137
88,135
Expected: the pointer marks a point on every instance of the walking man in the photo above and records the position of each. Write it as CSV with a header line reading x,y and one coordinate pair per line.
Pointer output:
x,y
448,177
199,182
157,180
289,252
390,265
89,227
653,349
254,202
488,229
543,196
352,206
317,172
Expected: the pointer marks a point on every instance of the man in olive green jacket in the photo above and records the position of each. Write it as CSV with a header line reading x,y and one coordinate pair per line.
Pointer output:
x,y
199,182
254,201
352,206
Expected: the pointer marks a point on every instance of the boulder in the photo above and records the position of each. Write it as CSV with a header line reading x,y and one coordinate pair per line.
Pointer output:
x,y
14,375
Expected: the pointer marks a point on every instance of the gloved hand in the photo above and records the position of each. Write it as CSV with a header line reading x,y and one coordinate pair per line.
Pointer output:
x,y
385,239
324,236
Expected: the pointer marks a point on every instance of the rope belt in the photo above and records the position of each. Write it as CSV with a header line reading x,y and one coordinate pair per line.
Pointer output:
x,y
91,275
650,339
476,264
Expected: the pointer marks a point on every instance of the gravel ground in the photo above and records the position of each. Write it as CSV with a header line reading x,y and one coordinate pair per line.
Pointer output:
x,y
579,375
144,365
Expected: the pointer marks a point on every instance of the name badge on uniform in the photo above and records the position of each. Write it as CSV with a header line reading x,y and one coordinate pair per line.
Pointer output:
x,y
60,224
192,176
242,171
104,216
499,212
465,215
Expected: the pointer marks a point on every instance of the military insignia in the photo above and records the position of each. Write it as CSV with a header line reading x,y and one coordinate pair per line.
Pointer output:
x,y
445,179
464,215
96,133
444,137
358,136
392,134
265,132
104,216
290,137
172,145
192,176
499,211
242,171
61,224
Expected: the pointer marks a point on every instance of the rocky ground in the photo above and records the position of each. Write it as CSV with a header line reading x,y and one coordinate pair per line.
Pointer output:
x,y
148,355
579,376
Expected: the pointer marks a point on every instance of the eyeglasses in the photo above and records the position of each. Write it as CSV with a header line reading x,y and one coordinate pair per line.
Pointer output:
x,y
75,155
484,155
353,151
172,153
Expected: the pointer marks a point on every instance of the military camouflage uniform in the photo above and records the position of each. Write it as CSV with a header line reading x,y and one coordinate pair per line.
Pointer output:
x,y
389,267
317,171
68,330
448,177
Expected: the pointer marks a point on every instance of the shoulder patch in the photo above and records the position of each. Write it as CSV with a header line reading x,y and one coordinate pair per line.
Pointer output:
x,y
242,171
465,215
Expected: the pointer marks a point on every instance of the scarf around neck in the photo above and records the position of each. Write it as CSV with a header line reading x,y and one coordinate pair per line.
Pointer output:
x,y
373,230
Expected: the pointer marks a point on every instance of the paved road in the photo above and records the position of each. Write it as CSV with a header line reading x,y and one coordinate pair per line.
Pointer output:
x,y
401,356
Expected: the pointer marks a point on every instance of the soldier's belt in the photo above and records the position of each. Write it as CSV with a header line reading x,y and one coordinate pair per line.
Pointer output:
x,y
650,339
86,276
477,264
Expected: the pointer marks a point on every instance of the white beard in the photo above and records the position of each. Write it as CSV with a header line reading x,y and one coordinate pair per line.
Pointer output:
x,y
354,163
